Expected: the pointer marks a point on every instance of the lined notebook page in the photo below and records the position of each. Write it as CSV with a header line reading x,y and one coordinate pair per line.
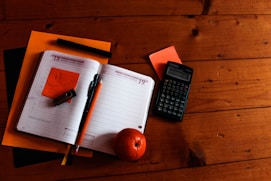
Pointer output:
x,y
40,116
122,103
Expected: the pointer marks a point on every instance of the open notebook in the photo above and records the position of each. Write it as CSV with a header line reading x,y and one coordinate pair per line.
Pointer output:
x,y
123,101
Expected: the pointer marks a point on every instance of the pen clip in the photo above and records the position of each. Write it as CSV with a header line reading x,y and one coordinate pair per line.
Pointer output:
x,y
93,84
90,89
96,79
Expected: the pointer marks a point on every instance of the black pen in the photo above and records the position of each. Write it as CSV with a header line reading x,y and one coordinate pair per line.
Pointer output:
x,y
92,89
86,48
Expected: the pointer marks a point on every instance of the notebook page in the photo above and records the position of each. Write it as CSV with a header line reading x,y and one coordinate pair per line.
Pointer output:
x,y
39,116
122,103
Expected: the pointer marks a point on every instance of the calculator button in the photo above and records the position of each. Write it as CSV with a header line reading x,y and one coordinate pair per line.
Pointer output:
x,y
172,98
159,108
161,104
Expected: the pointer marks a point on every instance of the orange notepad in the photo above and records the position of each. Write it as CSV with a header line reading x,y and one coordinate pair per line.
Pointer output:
x,y
38,43
159,59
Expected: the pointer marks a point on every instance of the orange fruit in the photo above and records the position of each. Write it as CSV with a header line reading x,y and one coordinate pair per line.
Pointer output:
x,y
130,144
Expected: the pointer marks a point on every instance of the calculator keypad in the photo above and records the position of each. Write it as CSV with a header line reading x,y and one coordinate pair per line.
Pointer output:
x,y
172,99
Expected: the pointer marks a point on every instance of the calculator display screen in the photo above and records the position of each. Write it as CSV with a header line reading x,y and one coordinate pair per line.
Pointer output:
x,y
177,73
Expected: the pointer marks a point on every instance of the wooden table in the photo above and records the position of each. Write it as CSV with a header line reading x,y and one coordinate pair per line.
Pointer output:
x,y
225,134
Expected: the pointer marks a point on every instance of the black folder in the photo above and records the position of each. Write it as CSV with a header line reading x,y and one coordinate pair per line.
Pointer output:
x,y
13,60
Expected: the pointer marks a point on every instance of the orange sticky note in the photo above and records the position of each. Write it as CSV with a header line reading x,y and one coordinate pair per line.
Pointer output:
x,y
58,82
159,59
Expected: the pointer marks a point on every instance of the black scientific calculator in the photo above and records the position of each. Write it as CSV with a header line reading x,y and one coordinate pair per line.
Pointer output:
x,y
173,91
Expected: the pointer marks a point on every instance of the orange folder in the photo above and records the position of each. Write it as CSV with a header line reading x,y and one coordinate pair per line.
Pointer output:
x,y
38,43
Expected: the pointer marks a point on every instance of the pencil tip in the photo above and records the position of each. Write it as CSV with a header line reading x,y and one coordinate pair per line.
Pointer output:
x,y
76,150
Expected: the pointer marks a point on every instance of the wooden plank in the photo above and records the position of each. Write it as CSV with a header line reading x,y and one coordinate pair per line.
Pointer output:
x,y
230,84
226,7
134,38
223,137
95,8
229,136
85,8
252,170
224,84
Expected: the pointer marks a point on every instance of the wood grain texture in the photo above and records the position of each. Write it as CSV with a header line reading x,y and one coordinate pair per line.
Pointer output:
x,y
254,170
96,8
67,8
225,134
134,38
230,85
240,7
251,170
229,136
